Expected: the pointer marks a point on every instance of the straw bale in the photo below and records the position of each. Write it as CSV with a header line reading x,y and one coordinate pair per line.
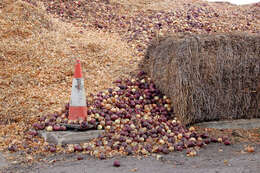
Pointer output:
x,y
208,77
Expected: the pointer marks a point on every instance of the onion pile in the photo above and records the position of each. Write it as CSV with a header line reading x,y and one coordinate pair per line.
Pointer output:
x,y
137,119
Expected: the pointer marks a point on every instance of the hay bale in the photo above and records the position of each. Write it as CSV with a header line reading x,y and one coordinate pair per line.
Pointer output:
x,y
208,77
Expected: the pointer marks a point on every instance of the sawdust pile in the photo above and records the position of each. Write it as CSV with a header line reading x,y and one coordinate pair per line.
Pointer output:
x,y
37,55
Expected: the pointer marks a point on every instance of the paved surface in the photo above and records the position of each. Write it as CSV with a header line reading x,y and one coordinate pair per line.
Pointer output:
x,y
3,162
209,160
233,124
214,158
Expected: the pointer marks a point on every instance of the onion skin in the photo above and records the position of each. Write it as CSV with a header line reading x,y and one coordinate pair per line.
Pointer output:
x,y
56,127
53,149
78,148
116,163
206,141
214,140
33,132
227,142
12,148
199,143
80,158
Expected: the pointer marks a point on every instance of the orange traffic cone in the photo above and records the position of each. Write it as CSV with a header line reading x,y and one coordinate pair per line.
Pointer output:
x,y
78,108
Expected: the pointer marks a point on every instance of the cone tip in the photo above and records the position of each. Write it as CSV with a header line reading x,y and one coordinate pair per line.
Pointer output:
x,y
78,72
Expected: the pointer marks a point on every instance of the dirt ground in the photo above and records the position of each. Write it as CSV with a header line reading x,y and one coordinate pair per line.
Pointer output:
x,y
213,158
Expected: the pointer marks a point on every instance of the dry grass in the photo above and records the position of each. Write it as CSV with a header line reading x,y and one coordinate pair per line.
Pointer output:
x,y
37,54
208,77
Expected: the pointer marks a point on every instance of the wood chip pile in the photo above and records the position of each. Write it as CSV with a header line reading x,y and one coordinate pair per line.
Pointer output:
x,y
37,56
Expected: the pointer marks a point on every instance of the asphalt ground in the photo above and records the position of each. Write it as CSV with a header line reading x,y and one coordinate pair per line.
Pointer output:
x,y
213,158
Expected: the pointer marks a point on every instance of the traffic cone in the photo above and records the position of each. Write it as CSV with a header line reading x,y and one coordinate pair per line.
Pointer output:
x,y
78,107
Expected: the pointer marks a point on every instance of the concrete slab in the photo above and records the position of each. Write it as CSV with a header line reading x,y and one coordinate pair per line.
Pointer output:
x,y
232,124
70,137
3,161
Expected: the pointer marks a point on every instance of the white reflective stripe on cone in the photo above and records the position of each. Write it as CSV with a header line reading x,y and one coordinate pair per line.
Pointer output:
x,y
78,97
